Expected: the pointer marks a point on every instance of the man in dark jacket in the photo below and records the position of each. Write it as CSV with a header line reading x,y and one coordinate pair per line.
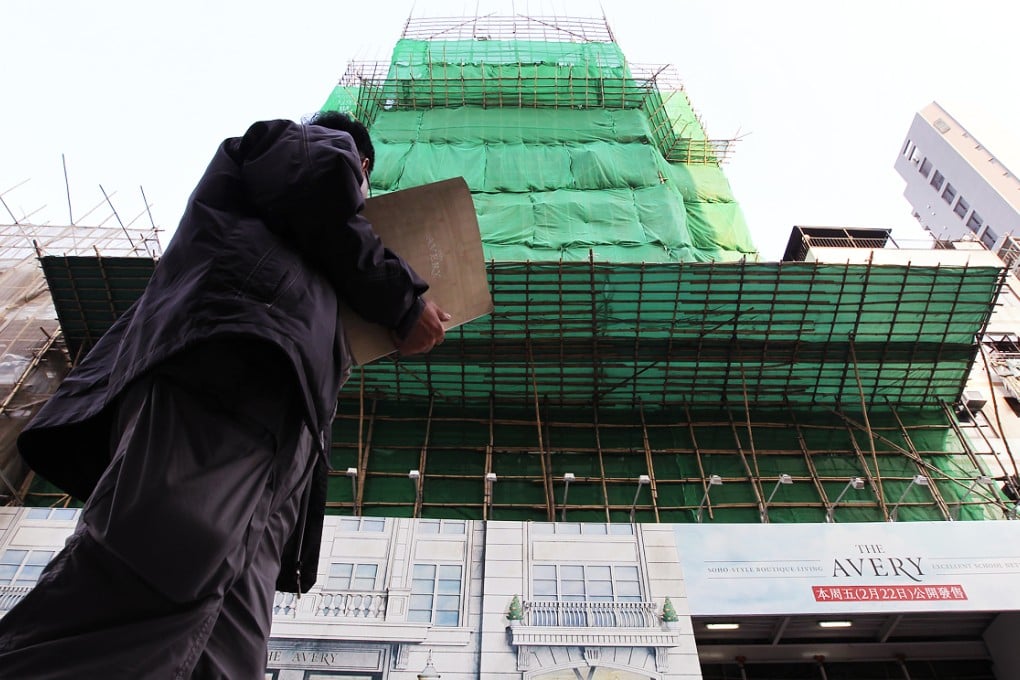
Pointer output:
x,y
197,428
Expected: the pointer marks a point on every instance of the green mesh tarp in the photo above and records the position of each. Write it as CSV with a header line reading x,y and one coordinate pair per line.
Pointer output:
x,y
569,188
566,152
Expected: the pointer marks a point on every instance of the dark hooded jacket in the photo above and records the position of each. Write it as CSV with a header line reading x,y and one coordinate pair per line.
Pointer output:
x,y
271,238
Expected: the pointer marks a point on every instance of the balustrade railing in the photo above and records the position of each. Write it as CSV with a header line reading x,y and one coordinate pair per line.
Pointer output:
x,y
360,605
11,595
352,604
590,614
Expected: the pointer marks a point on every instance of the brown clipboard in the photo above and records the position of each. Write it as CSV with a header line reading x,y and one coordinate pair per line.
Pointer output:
x,y
434,228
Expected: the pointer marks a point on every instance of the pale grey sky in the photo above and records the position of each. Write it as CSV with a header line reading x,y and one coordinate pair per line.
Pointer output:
x,y
138,93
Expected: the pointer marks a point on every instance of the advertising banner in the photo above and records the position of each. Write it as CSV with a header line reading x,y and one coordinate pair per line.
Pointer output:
x,y
863,567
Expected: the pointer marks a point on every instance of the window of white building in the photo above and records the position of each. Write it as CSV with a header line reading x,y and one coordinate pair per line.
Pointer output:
x,y
347,576
961,207
937,180
949,193
989,237
587,528
586,583
435,594
60,514
442,526
22,567
375,524
925,168
974,222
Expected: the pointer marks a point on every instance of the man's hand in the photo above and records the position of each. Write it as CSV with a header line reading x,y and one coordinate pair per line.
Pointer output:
x,y
426,334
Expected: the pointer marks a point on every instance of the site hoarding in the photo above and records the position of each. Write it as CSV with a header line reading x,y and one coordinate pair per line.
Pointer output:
x,y
850,568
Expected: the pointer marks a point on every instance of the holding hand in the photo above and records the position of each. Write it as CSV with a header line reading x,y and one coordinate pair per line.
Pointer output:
x,y
426,334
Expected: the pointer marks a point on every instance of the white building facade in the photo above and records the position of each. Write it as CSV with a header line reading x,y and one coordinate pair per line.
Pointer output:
x,y
957,187
395,595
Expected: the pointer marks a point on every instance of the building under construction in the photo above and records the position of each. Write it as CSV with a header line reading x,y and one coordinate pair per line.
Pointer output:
x,y
642,370
34,353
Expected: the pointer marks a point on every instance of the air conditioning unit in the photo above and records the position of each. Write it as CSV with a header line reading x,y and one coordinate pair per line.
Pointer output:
x,y
973,400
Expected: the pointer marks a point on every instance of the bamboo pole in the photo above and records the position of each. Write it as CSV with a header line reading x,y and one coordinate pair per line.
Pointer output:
x,y
649,462
701,467
547,481
422,460
867,423
363,454
602,464
489,491
919,463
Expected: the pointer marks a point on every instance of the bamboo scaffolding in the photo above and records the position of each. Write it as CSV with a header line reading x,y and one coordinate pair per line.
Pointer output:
x,y
107,288
578,85
515,26
896,449
78,301
551,361
31,366
965,441
547,471
754,475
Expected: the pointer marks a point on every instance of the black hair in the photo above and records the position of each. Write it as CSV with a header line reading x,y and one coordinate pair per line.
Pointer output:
x,y
336,120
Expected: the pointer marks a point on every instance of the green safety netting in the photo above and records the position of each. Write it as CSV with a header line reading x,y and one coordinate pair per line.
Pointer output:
x,y
553,184
563,148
